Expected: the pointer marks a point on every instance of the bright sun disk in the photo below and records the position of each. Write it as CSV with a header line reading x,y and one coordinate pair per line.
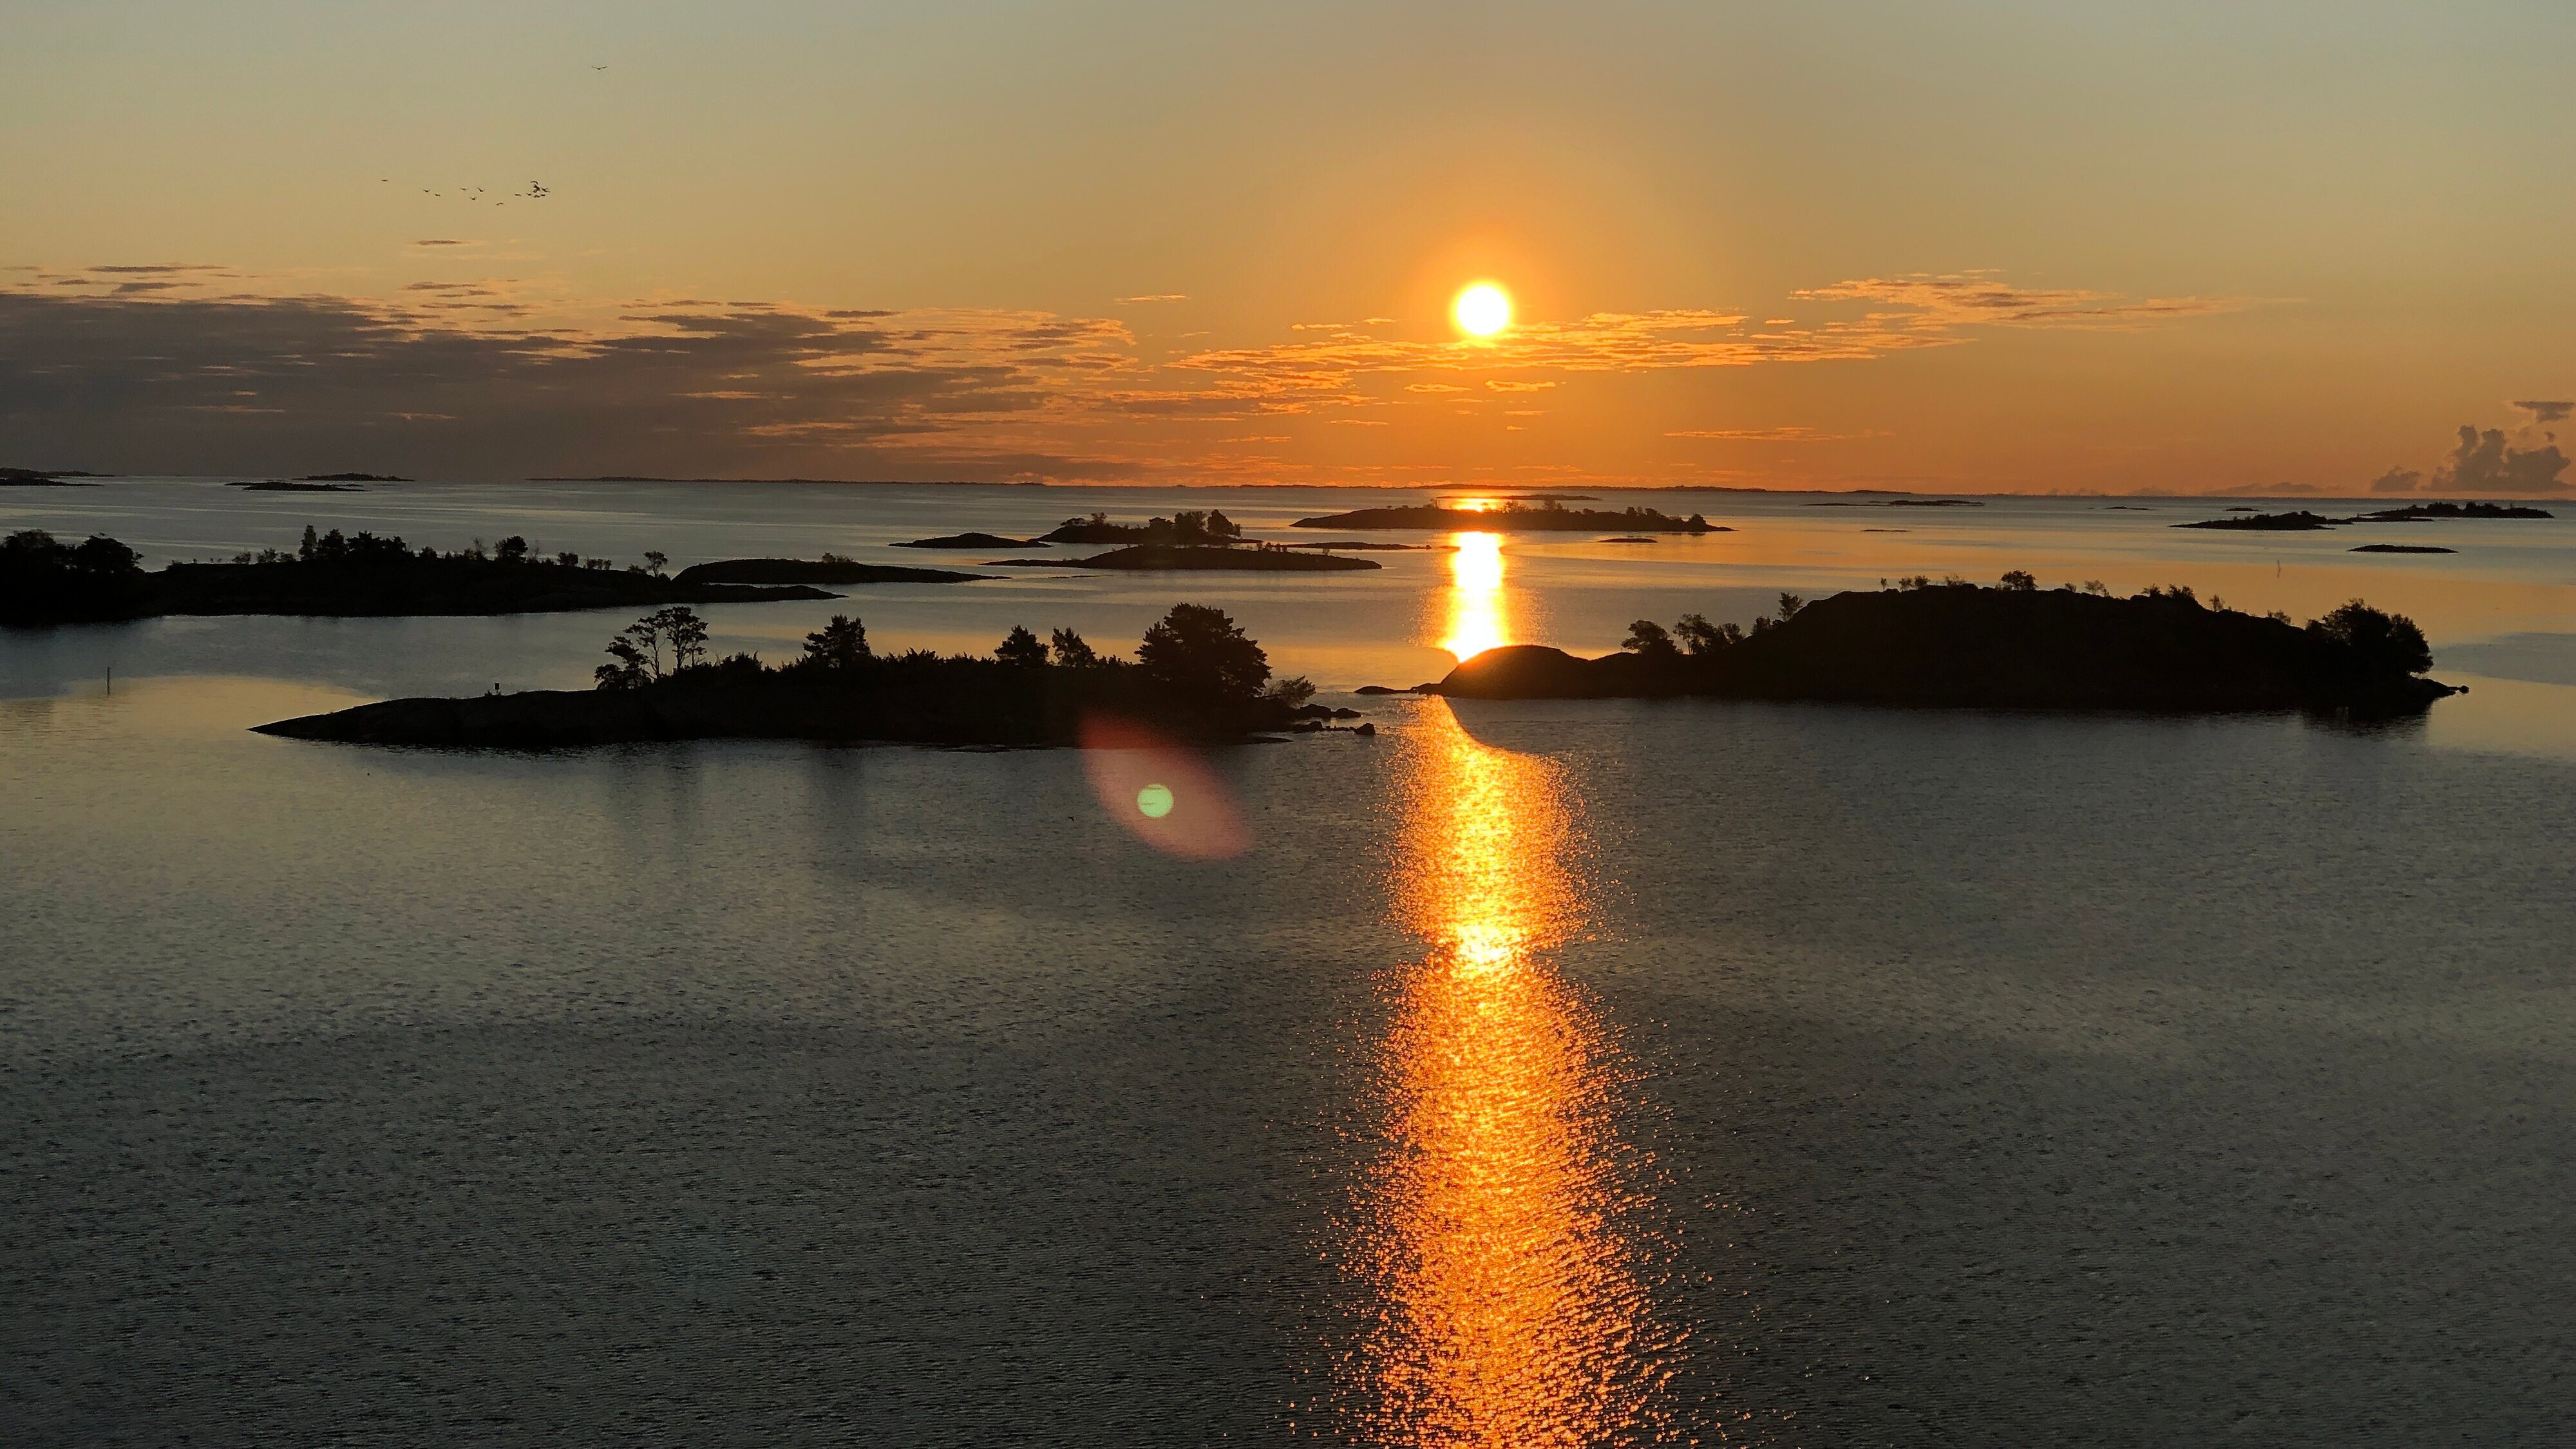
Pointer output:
x,y
1482,310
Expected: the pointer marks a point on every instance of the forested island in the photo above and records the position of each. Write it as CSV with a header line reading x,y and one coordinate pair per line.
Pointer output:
x,y
1515,517
1189,529
1954,644
46,581
1196,676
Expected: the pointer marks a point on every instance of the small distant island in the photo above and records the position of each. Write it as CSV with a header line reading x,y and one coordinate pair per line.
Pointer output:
x,y
1514,517
1196,677
35,478
2400,548
1190,529
1904,503
971,540
2303,520
1956,645
46,581
831,568
296,485
1154,557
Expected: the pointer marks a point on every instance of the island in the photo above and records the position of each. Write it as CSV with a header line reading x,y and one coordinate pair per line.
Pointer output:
x,y
2304,520
1211,527
831,568
2301,521
1152,557
1956,645
1549,517
2400,548
970,540
35,478
46,581
1196,677
2415,512
296,485
353,478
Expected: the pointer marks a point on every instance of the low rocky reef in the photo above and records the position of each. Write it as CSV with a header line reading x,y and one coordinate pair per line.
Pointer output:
x,y
1956,645
46,581
1516,517
829,569
1196,677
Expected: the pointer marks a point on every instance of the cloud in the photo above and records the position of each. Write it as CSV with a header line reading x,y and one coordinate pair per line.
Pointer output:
x,y
2545,412
440,241
1786,434
2482,462
1500,384
2397,480
1156,297
1962,299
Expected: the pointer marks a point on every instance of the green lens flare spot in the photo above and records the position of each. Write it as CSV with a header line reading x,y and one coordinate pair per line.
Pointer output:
x,y
1155,801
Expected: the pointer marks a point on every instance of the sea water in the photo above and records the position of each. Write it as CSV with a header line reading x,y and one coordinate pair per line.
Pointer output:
x,y
1543,1073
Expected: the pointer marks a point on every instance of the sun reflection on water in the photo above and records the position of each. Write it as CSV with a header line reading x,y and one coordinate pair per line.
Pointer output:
x,y
1513,1308
1476,620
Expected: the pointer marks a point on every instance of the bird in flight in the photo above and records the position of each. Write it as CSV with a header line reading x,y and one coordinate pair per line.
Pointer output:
x,y
599,67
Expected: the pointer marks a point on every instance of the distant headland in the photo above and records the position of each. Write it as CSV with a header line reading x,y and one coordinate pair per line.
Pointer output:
x,y
2305,521
1955,645
831,568
46,581
1196,677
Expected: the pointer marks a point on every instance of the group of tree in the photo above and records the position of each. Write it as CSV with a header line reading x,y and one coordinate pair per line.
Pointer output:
x,y
335,550
31,553
2384,640
1196,651
1191,528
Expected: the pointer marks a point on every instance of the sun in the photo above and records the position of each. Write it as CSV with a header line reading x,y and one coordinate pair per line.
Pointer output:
x,y
1482,310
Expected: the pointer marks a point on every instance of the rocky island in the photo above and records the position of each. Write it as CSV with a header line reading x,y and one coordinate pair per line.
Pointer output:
x,y
831,568
1152,557
970,540
1195,677
1514,517
1955,645
46,581
2303,520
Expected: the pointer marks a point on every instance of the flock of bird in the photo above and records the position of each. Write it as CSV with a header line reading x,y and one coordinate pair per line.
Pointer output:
x,y
537,190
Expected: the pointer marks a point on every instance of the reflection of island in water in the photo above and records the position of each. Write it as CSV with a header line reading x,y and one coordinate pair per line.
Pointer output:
x,y
1513,1308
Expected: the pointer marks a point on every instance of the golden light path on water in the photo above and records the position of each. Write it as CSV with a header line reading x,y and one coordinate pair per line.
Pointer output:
x,y
1475,596
1512,1307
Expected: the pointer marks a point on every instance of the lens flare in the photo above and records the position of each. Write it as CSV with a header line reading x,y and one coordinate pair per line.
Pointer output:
x,y
1160,791
1482,310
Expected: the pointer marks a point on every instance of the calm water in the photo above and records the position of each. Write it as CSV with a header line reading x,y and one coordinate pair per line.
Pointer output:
x,y
1542,1074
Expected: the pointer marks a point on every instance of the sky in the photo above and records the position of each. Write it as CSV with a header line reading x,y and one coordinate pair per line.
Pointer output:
x,y
1999,247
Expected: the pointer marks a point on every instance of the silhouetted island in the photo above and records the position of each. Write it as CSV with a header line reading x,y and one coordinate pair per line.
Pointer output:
x,y
2414,512
45,581
2400,548
2013,647
1193,528
32,478
971,540
1196,677
296,485
353,478
1514,518
1152,557
829,569
2301,521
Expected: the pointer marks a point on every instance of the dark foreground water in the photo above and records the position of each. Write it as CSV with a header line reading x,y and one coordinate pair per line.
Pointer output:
x,y
1544,1074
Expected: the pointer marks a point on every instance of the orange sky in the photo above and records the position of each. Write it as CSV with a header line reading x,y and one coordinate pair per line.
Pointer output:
x,y
1978,247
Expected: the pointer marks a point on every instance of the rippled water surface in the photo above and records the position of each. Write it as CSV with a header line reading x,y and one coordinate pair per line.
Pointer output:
x,y
1540,1074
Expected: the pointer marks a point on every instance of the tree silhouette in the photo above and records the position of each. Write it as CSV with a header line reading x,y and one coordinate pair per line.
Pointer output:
x,y
1071,652
1022,648
1199,649
2389,640
637,651
841,644
1647,639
